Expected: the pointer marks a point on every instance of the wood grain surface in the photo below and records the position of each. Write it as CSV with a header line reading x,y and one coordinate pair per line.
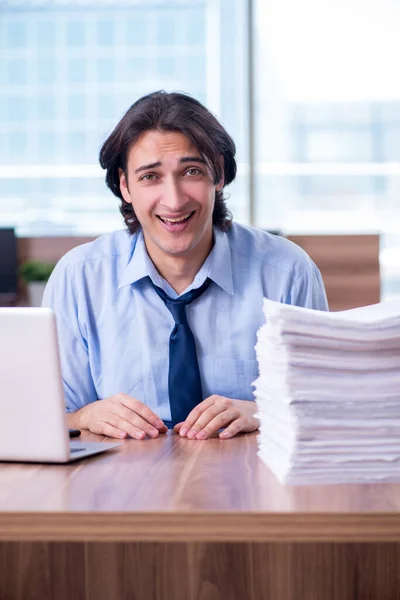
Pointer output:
x,y
153,571
174,489
349,266
174,519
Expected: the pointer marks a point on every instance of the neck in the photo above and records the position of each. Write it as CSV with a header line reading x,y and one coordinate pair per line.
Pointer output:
x,y
180,271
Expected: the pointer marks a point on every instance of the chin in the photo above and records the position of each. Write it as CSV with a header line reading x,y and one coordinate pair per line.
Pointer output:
x,y
177,249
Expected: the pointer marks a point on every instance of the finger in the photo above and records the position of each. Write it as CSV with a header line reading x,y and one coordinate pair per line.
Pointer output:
x,y
233,429
110,431
208,416
177,427
222,420
120,411
195,414
144,411
135,427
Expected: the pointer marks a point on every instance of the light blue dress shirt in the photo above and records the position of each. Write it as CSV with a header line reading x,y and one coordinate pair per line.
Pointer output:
x,y
114,329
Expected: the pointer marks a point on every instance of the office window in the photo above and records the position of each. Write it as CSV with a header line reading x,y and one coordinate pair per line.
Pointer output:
x,y
76,143
75,33
327,116
16,33
46,146
106,106
17,108
76,106
46,106
45,35
46,70
106,70
326,111
166,33
136,31
391,141
330,145
17,72
105,32
17,145
77,70
69,70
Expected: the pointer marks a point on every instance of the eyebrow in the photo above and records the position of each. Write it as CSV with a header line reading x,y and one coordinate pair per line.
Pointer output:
x,y
187,159
183,160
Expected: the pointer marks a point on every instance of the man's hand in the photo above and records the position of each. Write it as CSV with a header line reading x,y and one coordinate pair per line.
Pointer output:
x,y
217,412
117,417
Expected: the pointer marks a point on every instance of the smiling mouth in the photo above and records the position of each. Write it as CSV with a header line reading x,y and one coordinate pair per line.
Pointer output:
x,y
177,221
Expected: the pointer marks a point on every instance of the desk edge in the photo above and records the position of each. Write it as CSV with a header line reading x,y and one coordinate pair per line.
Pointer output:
x,y
199,526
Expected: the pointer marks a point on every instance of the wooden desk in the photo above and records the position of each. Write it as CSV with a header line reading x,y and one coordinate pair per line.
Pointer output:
x,y
183,520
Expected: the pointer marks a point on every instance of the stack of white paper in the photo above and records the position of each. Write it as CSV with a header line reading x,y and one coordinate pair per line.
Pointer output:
x,y
328,393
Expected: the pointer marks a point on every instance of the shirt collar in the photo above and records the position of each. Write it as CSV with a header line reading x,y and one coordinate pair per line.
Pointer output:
x,y
139,264
220,269
218,264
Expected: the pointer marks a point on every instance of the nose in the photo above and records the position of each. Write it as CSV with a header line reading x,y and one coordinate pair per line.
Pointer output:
x,y
173,199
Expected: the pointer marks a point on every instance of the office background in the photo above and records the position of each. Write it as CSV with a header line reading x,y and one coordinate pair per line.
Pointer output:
x,y
308,91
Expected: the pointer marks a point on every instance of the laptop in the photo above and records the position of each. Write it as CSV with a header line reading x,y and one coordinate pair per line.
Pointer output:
x,y
33,424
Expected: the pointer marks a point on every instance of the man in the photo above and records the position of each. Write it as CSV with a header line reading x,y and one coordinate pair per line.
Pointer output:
x,y
157,323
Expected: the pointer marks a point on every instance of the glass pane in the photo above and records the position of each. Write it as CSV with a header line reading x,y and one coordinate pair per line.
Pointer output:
x,y
105,32
136,32
17,145
77,70
17,108
106,106
76,33
16,32
17,71
46,105
46,34
76,106
106,69
46,70
328,120
330,145
47,146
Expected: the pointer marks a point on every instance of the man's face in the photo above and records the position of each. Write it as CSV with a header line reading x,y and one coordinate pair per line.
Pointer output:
x,y
172,192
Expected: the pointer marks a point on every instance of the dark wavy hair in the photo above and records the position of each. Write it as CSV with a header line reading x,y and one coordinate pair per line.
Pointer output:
x,y
164,111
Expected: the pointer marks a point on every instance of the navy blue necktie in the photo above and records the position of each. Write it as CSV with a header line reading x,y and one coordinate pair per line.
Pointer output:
x,y
184,384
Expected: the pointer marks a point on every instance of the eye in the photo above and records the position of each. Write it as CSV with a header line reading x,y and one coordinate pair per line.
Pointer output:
x,y
193,171
148,177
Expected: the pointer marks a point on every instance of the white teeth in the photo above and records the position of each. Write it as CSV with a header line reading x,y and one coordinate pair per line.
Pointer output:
x,y
176,220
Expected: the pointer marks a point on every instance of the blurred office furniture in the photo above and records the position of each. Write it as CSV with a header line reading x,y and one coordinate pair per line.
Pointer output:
x,y
35,274
48,249
349,263
8,267
178,519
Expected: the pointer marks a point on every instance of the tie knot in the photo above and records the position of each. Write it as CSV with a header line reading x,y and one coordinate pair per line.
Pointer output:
x,y
177,307
177,310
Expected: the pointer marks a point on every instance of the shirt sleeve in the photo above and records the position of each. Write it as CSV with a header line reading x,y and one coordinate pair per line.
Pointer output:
x,y
61,295
308,290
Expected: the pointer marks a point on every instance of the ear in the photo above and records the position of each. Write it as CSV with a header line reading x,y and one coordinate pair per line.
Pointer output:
x,y
221,182
123,186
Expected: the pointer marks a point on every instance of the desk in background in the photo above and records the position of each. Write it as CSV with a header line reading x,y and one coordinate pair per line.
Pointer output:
x,y
179,519
349,266
349,263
